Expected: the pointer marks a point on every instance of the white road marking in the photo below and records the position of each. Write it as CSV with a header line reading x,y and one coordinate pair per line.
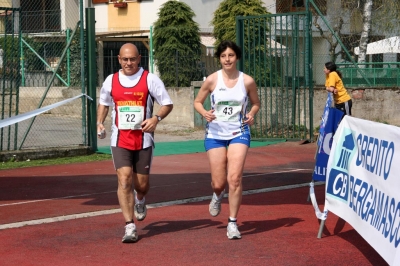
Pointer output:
x,y
149,206
66,197
114,191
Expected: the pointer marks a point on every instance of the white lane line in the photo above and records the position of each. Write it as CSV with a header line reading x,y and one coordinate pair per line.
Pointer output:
x,y
114,191
149,206
66,197
279,172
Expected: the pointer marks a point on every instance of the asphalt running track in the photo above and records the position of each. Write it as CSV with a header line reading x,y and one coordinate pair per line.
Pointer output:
x,y
69,215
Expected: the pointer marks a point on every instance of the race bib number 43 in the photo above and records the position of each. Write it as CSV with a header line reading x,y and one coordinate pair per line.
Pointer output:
x,y
228,111
130,117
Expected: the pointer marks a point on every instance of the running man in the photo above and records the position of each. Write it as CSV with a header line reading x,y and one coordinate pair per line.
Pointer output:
x,y
131,92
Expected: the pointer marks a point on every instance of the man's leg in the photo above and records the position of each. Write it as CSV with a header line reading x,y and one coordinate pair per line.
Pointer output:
x,y
126,201
125,193
141,185
141,171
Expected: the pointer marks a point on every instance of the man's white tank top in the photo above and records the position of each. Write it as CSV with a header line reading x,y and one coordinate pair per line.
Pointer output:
x,y
230,107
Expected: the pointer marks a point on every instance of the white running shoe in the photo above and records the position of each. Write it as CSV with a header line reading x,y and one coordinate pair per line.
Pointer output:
x,y
215,205
140,210
130,234
233,232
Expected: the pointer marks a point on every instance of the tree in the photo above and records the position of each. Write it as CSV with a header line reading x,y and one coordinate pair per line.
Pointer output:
x,y
255,41
329,37
224,20
365,32
384,15
364,20
177,45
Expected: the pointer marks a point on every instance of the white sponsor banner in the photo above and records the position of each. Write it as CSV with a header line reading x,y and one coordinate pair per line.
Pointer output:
x,y
18,118
363,182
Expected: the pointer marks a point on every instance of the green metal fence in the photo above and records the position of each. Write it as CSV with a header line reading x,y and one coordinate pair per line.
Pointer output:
x,y
42,64
9,73
337,30
276,54
385,74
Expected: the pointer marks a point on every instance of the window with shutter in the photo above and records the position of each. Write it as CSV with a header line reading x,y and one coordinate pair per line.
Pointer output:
x,y
287,6
100,1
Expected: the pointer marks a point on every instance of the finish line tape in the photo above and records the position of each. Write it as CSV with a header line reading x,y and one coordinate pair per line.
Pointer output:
x,y
18,118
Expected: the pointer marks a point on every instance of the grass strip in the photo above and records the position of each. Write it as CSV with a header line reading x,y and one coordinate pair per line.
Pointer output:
x,y
56,161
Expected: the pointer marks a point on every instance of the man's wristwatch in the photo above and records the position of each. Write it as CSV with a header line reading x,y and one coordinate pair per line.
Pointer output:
x,y
158,118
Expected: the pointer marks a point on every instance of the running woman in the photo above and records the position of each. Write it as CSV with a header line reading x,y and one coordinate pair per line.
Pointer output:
x,y
228,125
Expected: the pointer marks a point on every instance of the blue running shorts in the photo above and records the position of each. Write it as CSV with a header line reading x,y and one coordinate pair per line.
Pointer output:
x,y
219,143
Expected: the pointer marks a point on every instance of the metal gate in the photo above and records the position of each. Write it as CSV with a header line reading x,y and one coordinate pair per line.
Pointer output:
x,y
276,53
9,73
43,58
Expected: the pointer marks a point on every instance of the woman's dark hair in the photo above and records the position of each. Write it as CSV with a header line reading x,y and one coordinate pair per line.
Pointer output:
x,y
332,67
228,44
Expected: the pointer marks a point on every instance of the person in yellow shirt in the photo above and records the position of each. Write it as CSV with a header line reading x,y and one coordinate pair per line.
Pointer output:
x,y
334,84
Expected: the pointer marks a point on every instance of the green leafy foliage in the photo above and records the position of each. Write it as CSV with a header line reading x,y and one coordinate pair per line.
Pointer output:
x,y
386,16
11,56
13,163
34,51
224,20
177,45
31,60
75,59
255,42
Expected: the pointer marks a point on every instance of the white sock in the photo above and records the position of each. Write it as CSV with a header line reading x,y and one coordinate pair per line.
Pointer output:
x,y
134,225
220,195
137,201
232,220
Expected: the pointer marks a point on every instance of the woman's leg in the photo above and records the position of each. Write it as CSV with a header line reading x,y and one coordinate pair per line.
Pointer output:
x,y
237,153
217,159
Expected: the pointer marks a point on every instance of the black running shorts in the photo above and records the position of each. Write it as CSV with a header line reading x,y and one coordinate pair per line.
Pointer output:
x,y
139,160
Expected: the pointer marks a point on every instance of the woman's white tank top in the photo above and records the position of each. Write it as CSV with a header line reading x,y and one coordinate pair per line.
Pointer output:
x,y
230,107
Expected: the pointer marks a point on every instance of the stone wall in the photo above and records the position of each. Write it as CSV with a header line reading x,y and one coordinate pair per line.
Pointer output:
x,y
375,104
182,114
30,97
378,104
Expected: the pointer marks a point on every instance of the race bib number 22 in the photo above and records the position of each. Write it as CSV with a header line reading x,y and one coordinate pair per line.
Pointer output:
x,y
130,117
